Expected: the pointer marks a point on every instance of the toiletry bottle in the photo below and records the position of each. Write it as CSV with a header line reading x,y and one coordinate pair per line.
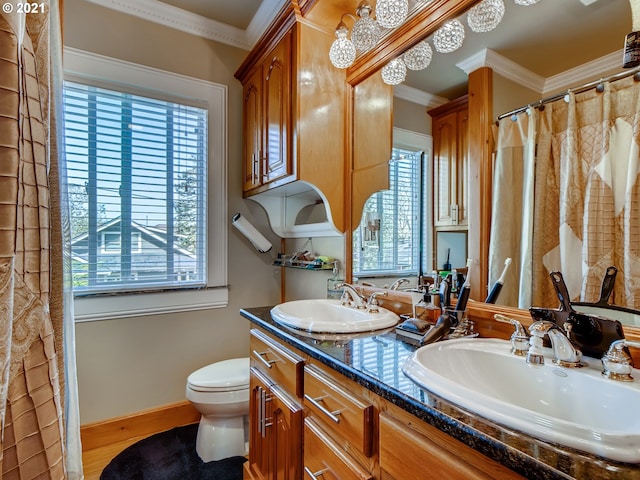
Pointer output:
x,y
336,279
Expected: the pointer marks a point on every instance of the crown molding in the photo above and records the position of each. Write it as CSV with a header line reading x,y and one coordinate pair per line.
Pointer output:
x,y
179,19
503,66
262,19
420,97
602,66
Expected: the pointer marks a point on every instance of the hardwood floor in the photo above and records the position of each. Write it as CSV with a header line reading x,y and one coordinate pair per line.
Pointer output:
x,y
94,460
102,441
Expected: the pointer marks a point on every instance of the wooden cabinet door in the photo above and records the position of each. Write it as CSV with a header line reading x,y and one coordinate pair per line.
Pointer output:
x,y
259,410
285,424
276,161
462,169
275,431
445,147
252,130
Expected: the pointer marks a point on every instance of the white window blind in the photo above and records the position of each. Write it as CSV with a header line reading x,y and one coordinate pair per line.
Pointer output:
x,y
137,176
389,236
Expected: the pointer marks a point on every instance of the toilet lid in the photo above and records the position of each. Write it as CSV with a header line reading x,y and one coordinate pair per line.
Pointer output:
x,y
223,376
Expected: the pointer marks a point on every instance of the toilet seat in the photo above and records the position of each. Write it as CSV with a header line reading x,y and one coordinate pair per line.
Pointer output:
x,y
225,376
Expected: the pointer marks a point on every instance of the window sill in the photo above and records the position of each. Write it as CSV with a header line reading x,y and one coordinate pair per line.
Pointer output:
x,y
111,307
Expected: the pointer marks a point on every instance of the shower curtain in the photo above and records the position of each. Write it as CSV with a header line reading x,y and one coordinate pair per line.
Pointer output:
x,y
36,357
586,208
512,213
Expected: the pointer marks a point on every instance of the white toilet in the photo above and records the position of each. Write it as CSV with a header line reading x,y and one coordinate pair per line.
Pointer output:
x,y
220,392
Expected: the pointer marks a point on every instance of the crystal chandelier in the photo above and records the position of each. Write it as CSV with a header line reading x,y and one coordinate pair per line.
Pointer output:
x,y
526,3
391,13
486,15
418,57
342,52
449,37
366,32
394,72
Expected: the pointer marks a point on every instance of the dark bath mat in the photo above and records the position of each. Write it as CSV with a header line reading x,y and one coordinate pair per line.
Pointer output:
x,y
170,455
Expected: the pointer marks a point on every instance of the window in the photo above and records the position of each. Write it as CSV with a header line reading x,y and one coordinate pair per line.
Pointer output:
x,y
146,177
394,237
136,175
388,241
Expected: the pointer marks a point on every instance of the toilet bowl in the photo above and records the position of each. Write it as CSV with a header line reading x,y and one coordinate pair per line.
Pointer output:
x,y
220,392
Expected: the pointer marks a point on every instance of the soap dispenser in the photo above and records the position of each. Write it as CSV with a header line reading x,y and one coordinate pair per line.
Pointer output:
x,y
335,280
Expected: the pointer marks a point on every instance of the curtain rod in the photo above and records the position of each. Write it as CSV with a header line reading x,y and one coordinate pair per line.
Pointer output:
x,y
580,89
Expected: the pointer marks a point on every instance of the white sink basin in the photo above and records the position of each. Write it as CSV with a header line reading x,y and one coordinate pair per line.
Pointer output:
x,y
328,316
578,408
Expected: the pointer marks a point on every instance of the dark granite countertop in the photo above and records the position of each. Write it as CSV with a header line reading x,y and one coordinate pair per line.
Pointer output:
x,y
375,360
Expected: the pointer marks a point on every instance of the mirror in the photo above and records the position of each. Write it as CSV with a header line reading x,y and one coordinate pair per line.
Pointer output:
x,y
539,38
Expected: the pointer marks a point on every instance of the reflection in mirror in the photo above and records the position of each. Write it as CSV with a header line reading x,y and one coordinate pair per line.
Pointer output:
x,y
394,239
580,156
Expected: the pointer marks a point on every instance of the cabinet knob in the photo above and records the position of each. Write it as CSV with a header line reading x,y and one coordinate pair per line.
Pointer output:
x,y
316,403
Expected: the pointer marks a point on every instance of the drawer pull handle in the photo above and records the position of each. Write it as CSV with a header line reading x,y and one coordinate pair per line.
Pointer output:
x,y
260,356
316,403
319,473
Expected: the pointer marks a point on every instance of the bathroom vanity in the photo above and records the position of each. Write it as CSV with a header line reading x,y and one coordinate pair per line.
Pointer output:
x,y
342,408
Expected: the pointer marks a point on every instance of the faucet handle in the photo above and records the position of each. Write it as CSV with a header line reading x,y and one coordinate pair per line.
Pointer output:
x,y
617,363
519,339
372,303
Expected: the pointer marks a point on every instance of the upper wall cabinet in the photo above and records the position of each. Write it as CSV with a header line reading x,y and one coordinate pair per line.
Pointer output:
x,y
450,164
267,119
294,113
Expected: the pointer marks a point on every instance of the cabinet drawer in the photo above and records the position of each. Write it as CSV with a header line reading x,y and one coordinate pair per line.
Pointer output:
x,y
325,460
281,365
406,453
344,413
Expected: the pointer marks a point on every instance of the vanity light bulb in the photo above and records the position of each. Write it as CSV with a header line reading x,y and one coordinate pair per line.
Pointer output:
x,y
366,32
394,72
449,37
391,13
486,15
418,57
342,52
526,3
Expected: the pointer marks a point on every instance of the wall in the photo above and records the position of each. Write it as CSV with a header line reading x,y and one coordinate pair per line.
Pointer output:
x,y
509,95
133,364
411,116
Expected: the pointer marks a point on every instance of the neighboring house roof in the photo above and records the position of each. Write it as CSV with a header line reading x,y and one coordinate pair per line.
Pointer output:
x,y
151,235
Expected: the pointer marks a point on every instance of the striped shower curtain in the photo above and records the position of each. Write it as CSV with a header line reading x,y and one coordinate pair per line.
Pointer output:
x,y
33,298
586,197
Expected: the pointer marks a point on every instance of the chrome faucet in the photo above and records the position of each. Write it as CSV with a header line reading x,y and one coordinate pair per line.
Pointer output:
x,y
617,363
350,296
395,285
372,303
566,353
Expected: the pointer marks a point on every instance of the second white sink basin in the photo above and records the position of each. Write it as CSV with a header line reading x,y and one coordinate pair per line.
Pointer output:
x,y
328,316
578,408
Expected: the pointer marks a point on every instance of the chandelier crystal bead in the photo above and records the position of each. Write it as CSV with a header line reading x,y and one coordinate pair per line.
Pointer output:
x,y
391,13
342,52
366,32
486,15
449,37
418,57
394,72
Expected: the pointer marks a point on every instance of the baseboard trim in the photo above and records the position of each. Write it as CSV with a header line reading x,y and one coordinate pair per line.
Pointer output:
x,y
139,424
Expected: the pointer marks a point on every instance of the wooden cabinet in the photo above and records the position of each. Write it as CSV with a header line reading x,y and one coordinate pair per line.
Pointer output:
x,y
450,164
275,413
336,428
267,118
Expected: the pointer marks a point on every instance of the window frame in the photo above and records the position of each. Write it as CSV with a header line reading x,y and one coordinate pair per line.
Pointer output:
x,y
93,69
414,141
